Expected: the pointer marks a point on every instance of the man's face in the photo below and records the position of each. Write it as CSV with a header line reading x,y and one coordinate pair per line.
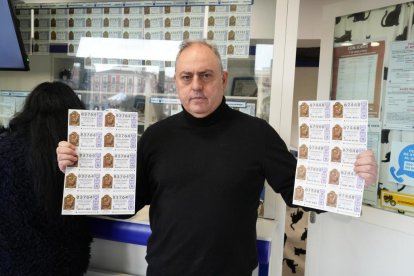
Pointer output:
x,y
199,80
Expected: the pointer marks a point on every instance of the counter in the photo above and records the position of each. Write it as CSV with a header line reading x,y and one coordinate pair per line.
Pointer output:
x,y
136,231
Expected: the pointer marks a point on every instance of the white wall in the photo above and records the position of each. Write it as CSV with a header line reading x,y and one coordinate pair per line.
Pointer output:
x,y
379,244
40,71
310,18
306,81
263,18
118,256
310,14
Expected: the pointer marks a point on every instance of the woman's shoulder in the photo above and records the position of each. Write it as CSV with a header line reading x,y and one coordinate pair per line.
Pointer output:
x,y
12,145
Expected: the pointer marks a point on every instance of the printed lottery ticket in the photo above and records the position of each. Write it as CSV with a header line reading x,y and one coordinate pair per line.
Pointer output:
x,y
331,135
103,179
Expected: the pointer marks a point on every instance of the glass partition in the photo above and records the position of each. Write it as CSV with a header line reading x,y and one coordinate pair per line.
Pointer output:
x,y
123,56
373,59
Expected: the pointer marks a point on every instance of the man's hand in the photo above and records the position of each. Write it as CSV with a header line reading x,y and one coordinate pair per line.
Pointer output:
x,y
366,167
66,155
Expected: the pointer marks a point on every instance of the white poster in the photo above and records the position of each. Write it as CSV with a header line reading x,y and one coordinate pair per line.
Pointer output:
x,y
356,78
374,144
399,101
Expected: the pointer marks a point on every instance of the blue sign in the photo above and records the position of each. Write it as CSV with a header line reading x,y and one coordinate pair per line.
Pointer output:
x,y
404,171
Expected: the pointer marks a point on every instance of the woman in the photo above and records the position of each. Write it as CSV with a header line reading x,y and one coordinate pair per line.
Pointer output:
x,y
35,239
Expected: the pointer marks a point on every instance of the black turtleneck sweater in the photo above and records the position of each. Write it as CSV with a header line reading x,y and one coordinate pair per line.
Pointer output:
x,y
203,179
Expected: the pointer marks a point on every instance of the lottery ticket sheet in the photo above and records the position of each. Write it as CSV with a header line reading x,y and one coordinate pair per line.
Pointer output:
x,y
331,134
103,179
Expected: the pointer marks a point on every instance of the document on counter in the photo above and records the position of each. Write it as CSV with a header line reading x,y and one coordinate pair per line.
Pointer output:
x,y
102,181
331,135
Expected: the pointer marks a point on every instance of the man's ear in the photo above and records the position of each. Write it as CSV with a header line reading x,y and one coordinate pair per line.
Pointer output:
x,y
224,78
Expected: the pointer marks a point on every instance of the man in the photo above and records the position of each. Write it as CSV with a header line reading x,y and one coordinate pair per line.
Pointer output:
x,y
202,171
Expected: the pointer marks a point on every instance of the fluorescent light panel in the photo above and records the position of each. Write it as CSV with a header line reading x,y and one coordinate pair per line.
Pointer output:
x,y
141,49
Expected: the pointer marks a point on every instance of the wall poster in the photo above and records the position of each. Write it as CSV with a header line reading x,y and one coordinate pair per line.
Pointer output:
x,y
402,163
399,101
374,144
59,29
357,73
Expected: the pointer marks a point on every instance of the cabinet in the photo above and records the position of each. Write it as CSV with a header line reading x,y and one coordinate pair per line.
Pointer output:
x,y
114,237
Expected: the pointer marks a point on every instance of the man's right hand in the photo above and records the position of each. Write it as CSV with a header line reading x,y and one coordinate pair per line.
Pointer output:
x,y
66,155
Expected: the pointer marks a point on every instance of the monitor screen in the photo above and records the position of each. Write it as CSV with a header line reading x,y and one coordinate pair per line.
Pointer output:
x,y
12,53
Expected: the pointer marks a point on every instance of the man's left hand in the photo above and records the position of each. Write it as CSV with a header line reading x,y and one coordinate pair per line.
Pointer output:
x,y
366,167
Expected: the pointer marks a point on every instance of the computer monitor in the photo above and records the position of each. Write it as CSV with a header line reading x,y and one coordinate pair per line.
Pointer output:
x,y
12,53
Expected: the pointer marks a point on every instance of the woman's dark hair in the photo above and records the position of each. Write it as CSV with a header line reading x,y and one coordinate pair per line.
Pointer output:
x,y
43,120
